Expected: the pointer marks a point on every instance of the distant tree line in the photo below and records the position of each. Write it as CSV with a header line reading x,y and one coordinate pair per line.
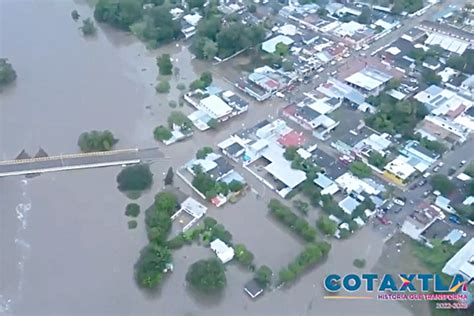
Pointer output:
x,y
154,25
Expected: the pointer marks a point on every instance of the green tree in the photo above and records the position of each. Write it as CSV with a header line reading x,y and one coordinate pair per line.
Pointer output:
x,y
163,87
203,152
291,153
135,178
132,210
209,49
282,49
430,77
169,176
469,170
393,83
377,160
442,184
433,145
161,133
164,64
75,15
196,3
118,13
359,263
242,255
88,28
360,169
209,27
7,73
206,77
207,276
151,264
263,276
366,15
252,8
166,202
326,225
213,123
236,186
96,141
209,222
287,65
417,54
286,275
219,232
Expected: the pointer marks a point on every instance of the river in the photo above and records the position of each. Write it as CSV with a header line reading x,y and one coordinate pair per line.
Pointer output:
x,y
65,245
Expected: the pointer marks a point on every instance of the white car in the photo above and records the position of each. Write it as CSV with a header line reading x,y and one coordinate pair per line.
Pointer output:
x,y
399,201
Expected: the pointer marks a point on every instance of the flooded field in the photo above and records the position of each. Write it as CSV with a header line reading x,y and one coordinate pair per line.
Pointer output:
x,y
65,245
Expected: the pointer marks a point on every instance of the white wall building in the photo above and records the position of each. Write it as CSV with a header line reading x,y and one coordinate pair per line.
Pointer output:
x,y
223,252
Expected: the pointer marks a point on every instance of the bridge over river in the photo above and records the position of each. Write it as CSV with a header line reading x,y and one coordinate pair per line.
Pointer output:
x,y
38,165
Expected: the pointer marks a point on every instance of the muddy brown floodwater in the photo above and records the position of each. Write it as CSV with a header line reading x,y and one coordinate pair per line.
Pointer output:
x,y
65,246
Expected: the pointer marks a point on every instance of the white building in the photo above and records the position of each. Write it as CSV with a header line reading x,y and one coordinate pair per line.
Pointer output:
x,y
270,45
369,81
193,208
462,262
223,252
215,107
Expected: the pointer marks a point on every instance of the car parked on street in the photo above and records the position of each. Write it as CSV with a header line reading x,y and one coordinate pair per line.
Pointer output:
x,y
422,182
399,200
454,219
384,220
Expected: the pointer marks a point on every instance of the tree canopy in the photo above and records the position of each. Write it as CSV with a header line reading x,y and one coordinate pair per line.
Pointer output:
x,y
360,169
377,160
312,254
263,276
7,73
154,25
430,77
203,152
396,117
409,6
118,13
207,276
442,184
88,28
164,64
228,38
326,225
464,63
151,264
162,133
135,178
297,224
96,141
132,210
203,82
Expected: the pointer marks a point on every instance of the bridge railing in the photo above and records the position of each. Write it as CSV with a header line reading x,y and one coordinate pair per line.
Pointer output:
x,y
69,156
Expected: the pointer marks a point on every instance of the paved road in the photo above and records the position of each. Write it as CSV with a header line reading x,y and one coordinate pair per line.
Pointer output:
x,y
78,161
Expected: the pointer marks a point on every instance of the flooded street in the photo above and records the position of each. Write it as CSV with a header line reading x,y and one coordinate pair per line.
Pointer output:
x,y
65,245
